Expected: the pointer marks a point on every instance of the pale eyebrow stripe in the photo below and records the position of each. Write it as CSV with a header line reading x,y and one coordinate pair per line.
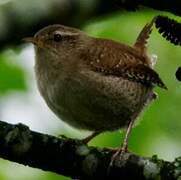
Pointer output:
x,y
66,33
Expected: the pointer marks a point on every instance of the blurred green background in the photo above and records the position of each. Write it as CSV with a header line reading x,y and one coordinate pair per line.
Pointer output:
x,y
159,128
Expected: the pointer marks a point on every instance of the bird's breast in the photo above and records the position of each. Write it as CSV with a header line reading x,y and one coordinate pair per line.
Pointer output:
x,y
91,101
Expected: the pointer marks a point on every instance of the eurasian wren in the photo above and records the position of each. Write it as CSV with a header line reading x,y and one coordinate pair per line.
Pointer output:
x,y
92,83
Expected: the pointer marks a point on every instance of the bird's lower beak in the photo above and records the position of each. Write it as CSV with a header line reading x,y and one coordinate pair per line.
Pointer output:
x,y
35,41
31,40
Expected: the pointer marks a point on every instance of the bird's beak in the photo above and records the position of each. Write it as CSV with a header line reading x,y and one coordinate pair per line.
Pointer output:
x,y
37,42
31,40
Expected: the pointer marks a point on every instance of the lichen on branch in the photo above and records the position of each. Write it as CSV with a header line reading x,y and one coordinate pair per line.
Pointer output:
x,y
72,158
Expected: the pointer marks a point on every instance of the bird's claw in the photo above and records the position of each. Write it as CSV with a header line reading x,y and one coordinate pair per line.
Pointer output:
x,y
118,154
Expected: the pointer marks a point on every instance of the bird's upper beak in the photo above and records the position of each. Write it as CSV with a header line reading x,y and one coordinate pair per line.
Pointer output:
x,y
31,40
36,41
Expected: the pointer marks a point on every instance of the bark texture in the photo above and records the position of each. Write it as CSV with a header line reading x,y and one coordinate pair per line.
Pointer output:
x,y
72,158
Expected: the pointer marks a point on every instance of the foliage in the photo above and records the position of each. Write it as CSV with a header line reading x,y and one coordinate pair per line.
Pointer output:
x,y
12,77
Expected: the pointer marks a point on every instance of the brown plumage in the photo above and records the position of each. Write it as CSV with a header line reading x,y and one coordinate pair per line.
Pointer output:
x,y
126,62
92,83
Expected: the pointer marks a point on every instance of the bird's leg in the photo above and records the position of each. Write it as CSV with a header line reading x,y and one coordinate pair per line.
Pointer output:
x,y
90,137
124,147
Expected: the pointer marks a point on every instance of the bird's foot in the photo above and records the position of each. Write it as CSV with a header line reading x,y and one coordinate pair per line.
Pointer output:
x,y
118,154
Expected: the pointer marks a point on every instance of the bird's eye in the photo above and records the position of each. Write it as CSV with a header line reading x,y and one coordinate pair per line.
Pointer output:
x,y
57,37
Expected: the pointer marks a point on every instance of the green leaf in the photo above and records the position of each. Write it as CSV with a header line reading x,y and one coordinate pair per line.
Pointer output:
x,y
11,77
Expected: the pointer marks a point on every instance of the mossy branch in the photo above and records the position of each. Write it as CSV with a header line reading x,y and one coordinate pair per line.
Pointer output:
x,y
72,158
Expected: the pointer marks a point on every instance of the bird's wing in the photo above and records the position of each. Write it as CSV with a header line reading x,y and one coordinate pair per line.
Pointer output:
x,y
122,61
142,74
134,72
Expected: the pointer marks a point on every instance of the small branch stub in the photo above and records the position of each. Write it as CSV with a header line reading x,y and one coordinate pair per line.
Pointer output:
x,y
178,74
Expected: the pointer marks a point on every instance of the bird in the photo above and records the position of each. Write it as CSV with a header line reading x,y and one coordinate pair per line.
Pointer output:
x,y
93,83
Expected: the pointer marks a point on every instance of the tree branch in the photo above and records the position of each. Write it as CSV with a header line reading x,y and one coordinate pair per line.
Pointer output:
x,y
23,18
173,6
74,159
